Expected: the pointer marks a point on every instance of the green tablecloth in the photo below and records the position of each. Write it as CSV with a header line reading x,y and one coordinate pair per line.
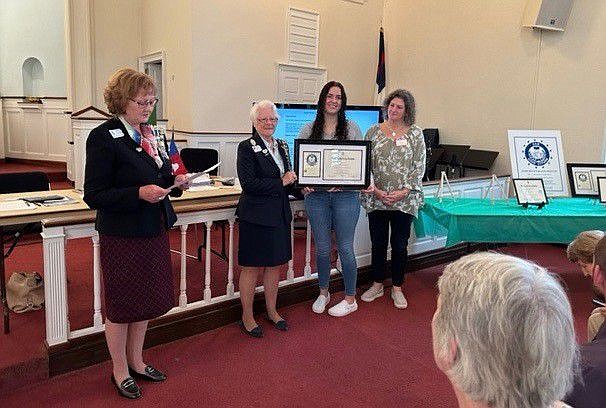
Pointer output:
x,y
477,220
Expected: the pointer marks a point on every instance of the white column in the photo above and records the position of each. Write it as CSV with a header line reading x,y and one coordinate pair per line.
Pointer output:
x,y
55,282
207,294
97,318
307,270
290,274
230,260
80,48
183,281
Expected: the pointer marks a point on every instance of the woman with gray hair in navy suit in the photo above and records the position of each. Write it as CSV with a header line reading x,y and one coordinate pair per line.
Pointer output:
x,y
264,215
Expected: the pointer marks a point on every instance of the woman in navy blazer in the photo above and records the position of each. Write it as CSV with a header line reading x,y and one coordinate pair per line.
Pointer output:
x,y
264,215
126,179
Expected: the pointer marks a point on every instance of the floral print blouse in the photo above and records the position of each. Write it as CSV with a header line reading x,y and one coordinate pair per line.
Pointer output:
x,y
397,164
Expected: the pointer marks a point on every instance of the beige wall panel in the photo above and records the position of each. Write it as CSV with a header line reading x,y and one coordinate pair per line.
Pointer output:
x,y
167,26
469,64
476,72
237,44
116,40
572,83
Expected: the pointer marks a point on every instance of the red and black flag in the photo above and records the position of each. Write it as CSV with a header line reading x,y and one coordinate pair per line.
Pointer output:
x,y
381,64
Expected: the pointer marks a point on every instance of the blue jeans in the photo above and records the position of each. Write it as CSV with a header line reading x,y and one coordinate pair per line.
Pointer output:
x,y
338,211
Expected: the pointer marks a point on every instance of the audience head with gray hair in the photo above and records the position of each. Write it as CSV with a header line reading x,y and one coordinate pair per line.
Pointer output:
x,y
503,333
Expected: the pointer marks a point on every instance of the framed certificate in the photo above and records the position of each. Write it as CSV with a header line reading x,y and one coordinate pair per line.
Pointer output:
x,y
583,178
332,163
530,191
602,188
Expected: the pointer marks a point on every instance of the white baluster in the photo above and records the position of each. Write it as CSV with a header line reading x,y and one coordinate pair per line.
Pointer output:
x,y
207,294
307,270
230,267
183,281
97,318
290,274
55,285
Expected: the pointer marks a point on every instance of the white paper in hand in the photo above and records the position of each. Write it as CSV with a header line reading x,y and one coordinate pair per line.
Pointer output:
x,y
194,176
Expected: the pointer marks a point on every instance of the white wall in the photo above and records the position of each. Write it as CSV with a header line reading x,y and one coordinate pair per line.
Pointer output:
x,y
237,44
116,40
475,72
32,28
167,26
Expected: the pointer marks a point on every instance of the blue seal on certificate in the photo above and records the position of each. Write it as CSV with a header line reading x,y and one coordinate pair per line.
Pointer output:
x,y
537,153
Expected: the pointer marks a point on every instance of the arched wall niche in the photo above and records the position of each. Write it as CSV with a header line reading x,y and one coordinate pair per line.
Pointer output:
x,y
33,77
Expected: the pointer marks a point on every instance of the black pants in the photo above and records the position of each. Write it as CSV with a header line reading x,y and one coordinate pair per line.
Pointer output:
x,y
379,222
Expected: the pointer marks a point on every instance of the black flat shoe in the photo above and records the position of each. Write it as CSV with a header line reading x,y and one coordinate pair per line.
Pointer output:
x,y
150,374
280,324
127,388
255,332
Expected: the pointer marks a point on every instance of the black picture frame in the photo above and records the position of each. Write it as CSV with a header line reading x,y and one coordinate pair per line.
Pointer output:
x,y
538,182
602,189
321,146
590,171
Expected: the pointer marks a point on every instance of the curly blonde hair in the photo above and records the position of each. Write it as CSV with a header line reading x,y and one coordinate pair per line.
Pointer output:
x,y
581,249
123,85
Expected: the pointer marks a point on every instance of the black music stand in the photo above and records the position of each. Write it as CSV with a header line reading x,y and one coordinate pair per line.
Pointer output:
x,y
479,159
432,158
452,160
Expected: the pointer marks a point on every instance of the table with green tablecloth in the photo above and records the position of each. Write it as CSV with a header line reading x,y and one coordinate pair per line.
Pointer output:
x,y
480,220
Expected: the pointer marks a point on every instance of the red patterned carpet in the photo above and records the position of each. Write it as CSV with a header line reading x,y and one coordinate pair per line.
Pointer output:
x,y
378,356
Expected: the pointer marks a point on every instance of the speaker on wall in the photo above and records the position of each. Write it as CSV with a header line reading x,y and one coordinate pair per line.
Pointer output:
x,y
547,14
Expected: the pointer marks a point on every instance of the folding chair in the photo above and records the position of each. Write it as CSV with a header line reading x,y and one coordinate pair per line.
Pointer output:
x,y
16,183
199,159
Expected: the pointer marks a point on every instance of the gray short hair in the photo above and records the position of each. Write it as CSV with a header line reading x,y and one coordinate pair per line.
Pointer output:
x,y
254,110
410,108
513,327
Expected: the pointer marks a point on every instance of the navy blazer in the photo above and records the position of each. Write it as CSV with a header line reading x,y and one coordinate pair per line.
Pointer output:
x,y
264,200
115,169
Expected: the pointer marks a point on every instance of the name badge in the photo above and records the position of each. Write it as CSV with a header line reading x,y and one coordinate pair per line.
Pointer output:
x,y
401,142
116,133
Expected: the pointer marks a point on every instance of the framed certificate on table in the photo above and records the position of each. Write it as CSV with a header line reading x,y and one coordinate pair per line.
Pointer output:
x,y
332,163
530,191
602,189
583,178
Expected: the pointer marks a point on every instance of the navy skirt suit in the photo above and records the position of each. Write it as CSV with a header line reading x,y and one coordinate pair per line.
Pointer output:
x,y
133,239
263,211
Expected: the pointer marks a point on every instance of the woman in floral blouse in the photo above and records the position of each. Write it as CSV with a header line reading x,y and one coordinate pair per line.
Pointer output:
x,y
398,165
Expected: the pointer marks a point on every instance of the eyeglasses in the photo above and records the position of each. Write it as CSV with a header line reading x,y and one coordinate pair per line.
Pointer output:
x,y
151,102
267,120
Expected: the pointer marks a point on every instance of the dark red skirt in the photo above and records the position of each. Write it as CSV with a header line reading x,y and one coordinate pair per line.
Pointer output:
x,y
137,277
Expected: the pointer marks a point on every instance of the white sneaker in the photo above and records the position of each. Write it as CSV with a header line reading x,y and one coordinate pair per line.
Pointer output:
x,y
372,293
343,308
320,303
399,300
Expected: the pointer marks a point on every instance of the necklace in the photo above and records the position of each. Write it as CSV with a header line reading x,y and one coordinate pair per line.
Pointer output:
x,y
393,132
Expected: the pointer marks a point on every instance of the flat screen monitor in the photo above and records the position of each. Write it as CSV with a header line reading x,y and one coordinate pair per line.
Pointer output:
x,y
293,116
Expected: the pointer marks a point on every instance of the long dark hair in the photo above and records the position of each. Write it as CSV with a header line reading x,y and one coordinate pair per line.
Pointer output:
x,y
317,131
